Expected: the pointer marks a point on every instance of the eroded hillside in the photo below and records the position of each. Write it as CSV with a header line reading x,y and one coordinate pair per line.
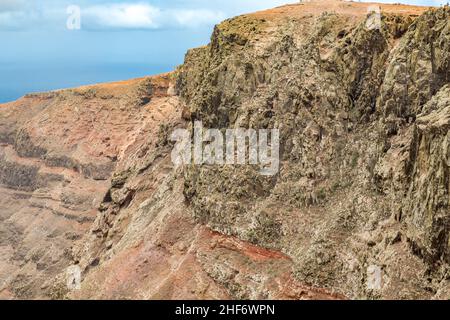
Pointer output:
x,y
58,151
364,116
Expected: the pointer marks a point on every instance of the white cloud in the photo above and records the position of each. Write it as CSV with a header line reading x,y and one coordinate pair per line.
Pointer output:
x,y
11,5
145,16
122,16
14,15
26,14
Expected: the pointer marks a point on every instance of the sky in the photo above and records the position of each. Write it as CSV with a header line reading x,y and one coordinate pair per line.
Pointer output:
x,y
47,45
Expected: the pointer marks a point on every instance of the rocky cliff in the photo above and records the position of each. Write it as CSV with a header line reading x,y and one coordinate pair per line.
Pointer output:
x,y
363,186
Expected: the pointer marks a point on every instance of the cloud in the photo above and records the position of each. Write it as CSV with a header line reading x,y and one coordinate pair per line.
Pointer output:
x,y
11,5
27,14
121,16
145,16
16,15
20,14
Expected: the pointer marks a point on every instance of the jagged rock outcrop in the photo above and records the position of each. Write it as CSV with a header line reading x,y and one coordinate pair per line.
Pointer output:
x,y
363,186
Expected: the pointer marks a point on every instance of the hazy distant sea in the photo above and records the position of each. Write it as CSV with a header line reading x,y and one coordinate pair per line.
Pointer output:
x,y
18,80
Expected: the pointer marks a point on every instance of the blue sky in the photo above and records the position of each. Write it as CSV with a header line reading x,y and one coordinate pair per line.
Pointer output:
x,y
117,39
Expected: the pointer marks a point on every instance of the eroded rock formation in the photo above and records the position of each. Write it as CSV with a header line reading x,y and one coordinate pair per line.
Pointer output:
x,y
364,116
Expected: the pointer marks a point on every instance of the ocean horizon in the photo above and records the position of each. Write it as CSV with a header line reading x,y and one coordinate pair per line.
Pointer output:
x,y
19,80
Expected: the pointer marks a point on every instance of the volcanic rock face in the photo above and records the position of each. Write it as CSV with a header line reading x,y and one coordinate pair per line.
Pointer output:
x,y
57,154
364,118
363,115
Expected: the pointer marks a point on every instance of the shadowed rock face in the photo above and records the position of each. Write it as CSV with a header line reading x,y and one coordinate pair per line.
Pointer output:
x,y
364,115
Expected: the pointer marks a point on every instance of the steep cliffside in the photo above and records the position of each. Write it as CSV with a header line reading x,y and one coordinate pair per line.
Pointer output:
x,y
364,116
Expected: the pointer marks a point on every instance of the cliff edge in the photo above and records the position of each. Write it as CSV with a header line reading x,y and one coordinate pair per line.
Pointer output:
x,y
362,102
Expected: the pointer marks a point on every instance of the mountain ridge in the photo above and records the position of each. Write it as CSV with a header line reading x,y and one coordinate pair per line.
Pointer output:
x,y
363,184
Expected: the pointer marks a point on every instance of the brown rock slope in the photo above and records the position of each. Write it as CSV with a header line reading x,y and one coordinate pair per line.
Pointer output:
x,y
364,182
57,153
